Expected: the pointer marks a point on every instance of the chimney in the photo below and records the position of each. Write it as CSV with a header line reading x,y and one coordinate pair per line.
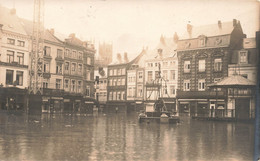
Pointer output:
x,y
126,57
189,29
175,37
13,11
160,52
119,58
52,31
72,35
162,39
219,24
234,22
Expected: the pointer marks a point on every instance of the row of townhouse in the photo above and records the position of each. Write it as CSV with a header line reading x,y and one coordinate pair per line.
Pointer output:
x,y
68,68
189,64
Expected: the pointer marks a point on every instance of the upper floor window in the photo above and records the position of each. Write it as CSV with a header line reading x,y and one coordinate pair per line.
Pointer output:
x,y
123,81
243,57
172,63
9,77
123,71
58,84
88,90
202,42
10,41
110,72
172,89
46,67
186,85
150,76
119,82
202,65
67,53
59,68
140,76
186,66
119,71
20,43
88,60
73,67
79,86
59,53
218,64
47,51
201,84
115,72
165,64
165,74
73,85
156,74
172,77
80,55
66,84
20,58
80,69
10,56
74,54
88,75
67,66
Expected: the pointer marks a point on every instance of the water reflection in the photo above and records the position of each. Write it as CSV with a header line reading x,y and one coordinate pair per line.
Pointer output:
x,y
121,137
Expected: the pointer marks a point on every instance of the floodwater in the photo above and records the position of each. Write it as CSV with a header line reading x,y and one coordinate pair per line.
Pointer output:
x,y
121,137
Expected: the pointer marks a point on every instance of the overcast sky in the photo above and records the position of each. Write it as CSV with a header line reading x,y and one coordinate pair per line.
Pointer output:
x,y
132,24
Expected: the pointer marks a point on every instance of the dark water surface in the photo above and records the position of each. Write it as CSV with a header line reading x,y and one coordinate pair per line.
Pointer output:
x,y
121,137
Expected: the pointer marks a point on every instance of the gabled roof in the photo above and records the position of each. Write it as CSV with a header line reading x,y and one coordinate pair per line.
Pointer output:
x,y
210,30
28,26
10,21
233,81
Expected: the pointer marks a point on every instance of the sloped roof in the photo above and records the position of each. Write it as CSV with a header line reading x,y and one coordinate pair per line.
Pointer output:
x,y
209,30
168,47
233,81
11,21
28,26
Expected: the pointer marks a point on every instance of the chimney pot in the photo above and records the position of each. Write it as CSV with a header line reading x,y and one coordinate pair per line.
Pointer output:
x,y
219,24
189,29
72,35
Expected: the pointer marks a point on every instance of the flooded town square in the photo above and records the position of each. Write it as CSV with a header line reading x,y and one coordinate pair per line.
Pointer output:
x,y
121,137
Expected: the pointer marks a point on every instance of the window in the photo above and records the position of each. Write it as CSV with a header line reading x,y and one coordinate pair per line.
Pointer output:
x,y
45,84
202,65
88,75
123,81
67,53
114,82
19,78
74,54
243,57
118,95
20,43
123,71
110,72
66,84
156,74
73,68
123,95
20,58
9,77
218,64
73,85
67,66
202,42
119,82
10,41
201,84
119,71
186,85
114,96
79,86
172,63
110,97
111,82
58,84
80,69
46,67
165,64
47,51
165,74
150,76
59,53
10,56
59,68
172,90
140,76
129,93
115,72
172,77
186,66
88,61
139,90
80,55
87,90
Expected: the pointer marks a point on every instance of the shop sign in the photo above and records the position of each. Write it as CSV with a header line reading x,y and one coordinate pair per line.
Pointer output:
x,y
66,100
57,98
77,100
45,99
89,102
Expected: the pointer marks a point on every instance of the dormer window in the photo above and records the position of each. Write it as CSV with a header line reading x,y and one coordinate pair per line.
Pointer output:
x,y
187,45
202,40
218,41
243,57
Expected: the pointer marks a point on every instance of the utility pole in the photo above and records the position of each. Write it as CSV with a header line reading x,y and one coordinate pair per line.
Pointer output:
x,y
36,55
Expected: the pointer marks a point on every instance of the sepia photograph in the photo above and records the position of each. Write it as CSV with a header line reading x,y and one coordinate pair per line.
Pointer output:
x,y
129,80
